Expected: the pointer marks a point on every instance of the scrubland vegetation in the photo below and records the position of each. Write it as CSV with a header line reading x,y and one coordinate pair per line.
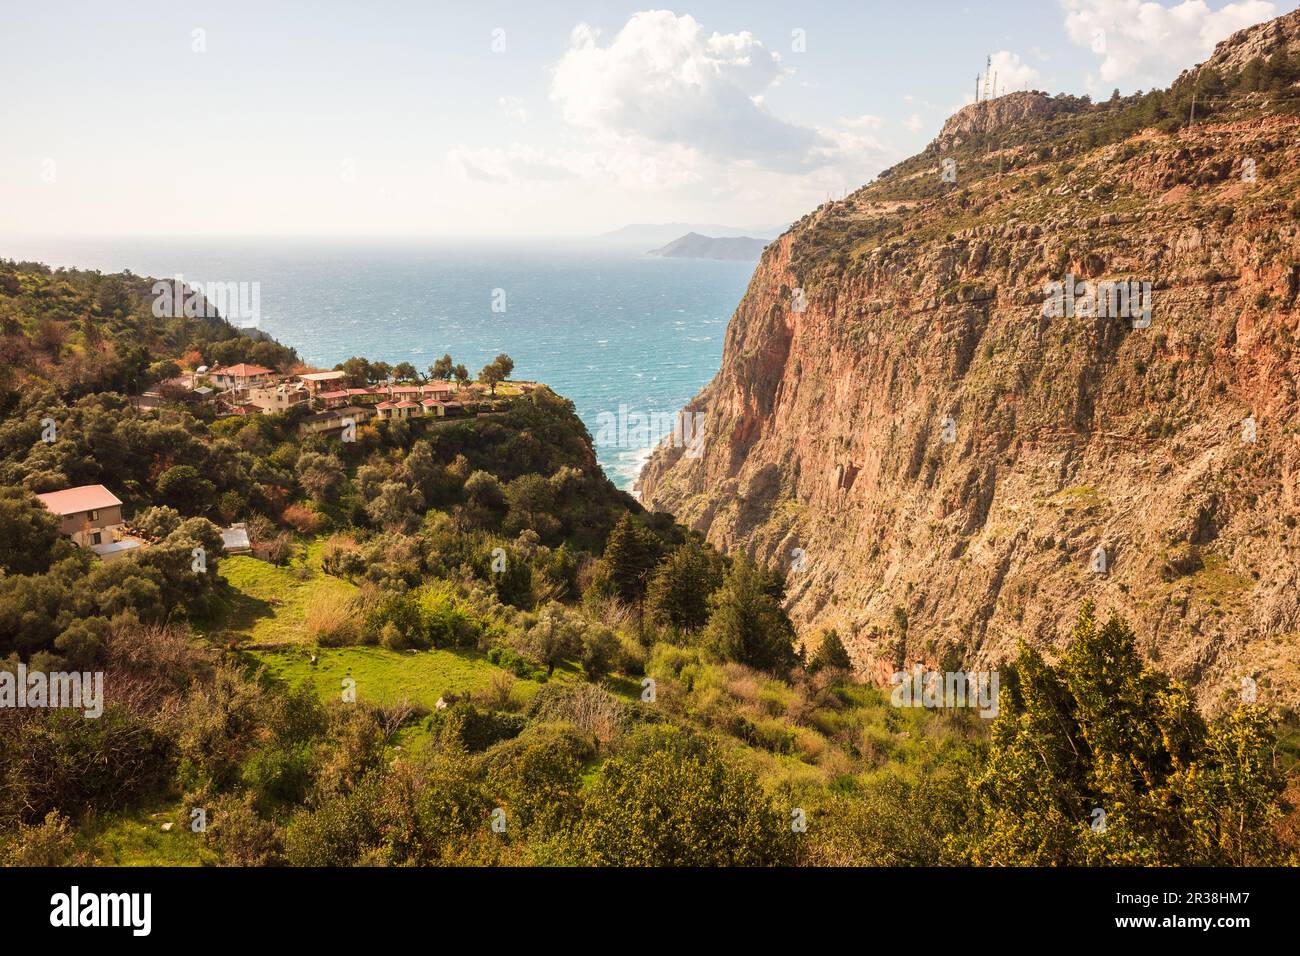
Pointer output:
x,y
465,646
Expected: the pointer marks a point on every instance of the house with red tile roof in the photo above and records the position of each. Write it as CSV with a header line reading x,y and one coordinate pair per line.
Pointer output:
x,y
242,375
334,398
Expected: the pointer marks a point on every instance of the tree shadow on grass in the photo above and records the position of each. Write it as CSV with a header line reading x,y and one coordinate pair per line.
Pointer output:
x,y
237,612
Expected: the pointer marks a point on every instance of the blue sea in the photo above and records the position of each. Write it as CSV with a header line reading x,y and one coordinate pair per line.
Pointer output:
x,y
605,326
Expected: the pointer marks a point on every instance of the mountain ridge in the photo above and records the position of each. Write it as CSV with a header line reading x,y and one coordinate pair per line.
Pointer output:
x,y
917,300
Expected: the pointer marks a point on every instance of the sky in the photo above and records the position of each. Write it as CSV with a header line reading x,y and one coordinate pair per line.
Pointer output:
x,y
530,120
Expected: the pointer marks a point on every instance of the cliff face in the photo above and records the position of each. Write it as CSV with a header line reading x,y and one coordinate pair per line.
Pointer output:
x,y
961,471
1257,42
988,116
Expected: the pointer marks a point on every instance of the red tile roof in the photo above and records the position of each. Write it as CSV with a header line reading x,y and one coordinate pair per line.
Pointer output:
x,y
71,501
242,370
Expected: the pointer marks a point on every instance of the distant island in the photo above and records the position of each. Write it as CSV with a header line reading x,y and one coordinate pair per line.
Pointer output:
x,y
695,246
645,235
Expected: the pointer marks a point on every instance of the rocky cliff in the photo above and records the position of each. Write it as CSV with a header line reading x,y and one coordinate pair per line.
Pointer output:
x,y
948,459
989,116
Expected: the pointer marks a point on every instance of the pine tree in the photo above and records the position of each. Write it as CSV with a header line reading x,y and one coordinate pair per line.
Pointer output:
x,y
1102,760
831,653
680,587
748,623
631,555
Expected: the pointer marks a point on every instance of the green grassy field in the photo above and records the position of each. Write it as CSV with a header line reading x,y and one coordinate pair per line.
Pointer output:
x,y
388,677
270,602
138,838
265,613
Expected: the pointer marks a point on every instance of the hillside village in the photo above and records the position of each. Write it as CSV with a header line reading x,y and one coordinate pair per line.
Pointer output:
x,y
328,395
324,401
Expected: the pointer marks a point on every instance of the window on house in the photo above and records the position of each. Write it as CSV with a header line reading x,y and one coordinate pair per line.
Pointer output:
x,y
95,538
94,515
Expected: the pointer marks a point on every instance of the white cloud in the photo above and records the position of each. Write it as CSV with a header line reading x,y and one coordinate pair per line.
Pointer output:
x,y
1145,44
665,110
1012,73
913,123
663,80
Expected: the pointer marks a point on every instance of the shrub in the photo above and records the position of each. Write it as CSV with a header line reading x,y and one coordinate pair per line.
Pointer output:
x,y
497,695
240,836
279,549
475,729
158,521
337,831
515,663
48,843
599,651
539,775
46,756
593,710
332,620
341,556
671,799
301,518
217,728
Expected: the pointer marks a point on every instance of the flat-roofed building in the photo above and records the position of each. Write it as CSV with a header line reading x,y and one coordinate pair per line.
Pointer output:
x,y
322,381
278,398
334,419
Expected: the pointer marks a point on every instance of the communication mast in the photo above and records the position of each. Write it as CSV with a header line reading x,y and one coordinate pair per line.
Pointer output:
x,y
988,73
